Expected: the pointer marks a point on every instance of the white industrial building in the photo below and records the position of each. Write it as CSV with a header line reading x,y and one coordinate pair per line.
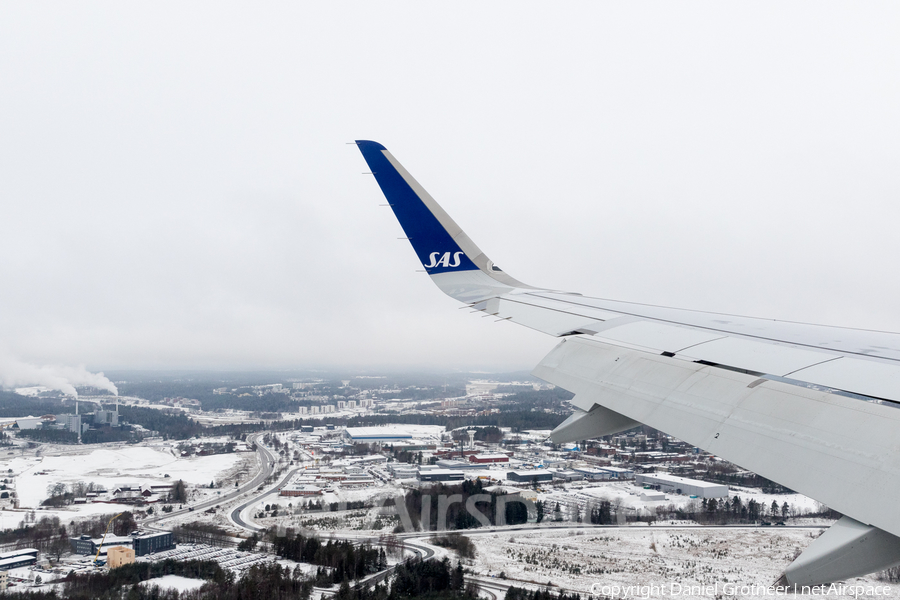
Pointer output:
x,y
28,423
382,435
682,485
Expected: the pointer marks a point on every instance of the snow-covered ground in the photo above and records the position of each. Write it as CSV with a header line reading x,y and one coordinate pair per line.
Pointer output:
x,y
109,467
669,558
12,519
291,516
628,496
174,582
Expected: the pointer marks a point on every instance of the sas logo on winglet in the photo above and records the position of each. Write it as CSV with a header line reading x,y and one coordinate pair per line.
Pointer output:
x,y
444,260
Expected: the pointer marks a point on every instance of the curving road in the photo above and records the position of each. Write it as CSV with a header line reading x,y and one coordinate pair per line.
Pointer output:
x,y
266,462
236,513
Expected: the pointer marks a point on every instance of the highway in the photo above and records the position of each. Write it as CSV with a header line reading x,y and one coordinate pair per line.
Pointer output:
x,y
265,461
236,513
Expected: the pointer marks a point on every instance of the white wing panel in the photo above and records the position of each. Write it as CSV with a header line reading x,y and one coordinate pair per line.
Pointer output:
x,y
838,340
843,452
657,336
866,377
535,317
566,307
762,357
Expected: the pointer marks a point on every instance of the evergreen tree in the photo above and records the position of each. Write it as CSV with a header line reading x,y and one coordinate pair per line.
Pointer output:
x,y
457,581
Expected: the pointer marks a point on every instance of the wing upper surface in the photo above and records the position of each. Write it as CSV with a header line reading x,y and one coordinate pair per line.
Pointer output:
x,y
862,362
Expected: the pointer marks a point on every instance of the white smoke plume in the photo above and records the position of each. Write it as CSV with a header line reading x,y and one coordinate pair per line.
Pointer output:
x,y
15,373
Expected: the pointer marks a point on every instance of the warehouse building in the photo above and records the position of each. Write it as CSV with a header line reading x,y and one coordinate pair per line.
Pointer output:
x,y
530,476
567,475
403,470
28,423
682,485
369,435
297,489
441,475
18,558
488,458
593,474
619,472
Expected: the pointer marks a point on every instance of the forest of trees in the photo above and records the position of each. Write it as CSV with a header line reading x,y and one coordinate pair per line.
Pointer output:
x,y
50,436
196,532
46,534
13,405
433,579
460,544
343,560
517,593
427,511
172,424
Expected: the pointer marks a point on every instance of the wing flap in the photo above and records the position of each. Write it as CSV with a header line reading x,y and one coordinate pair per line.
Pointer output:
x,y
841,451
553,322
756,356
865,377
660,337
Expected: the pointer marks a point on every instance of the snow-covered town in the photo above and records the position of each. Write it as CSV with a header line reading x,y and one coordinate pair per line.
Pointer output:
x,y
412,470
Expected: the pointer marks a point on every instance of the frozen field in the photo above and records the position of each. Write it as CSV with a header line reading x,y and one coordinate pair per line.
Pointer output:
x,y
174,582
627,495
579,558
111,467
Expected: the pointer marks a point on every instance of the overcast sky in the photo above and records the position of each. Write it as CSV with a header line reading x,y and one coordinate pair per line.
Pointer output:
x,y
178,191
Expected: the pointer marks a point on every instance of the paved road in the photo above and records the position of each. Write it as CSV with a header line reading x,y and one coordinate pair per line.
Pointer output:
x,y
236,513
267,466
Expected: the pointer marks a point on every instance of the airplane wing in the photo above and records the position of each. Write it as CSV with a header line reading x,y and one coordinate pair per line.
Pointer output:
x,y
811,407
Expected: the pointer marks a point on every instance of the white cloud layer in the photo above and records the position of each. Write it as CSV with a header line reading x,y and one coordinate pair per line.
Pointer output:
x,y
178,192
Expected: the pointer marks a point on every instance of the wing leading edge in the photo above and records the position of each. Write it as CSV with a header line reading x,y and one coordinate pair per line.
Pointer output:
x,y
784,399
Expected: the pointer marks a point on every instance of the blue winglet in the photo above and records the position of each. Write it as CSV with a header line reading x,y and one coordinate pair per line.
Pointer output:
x,y
433,244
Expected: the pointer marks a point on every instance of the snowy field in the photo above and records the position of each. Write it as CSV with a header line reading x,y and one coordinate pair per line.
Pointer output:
x,y
111,467
627,495
173,582
578,559
13,519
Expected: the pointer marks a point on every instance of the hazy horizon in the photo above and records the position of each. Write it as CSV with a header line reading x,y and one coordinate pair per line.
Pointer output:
x,y
180,191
